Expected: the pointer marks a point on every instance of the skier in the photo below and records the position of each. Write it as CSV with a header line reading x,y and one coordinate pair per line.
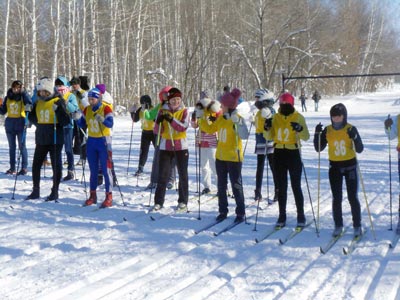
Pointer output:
x,y
303,99
171,123
343,142
316,97
98,117
151,115
16,104
62,87
264,103
231,129
207,110
392,130
80,89
286,128
148,137
49,115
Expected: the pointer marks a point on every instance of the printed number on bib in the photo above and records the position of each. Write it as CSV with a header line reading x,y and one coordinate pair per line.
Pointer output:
x,y
283,136
340,149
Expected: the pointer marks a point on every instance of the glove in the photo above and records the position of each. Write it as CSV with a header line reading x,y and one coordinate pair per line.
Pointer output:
x,y
28,107
212,118
160,118
133,108
318,128
268,124
296,126
235,118
55,106
76,115
199,112
194,116
99,118
266,113
168,117
352,133
388,123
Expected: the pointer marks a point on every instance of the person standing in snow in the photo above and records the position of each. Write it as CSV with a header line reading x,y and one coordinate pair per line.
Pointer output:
x,y
316,97
148,137
207,110
80,89
231,129
392,130
151,115
264,149
16,104
171,124
286,128
62,87
49,114
343,142
303,99
98,117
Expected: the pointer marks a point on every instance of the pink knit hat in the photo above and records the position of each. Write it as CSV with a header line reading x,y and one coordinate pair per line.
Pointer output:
x,y
286,98
230,100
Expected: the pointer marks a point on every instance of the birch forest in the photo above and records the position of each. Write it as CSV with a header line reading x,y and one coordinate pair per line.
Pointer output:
x,y
136,47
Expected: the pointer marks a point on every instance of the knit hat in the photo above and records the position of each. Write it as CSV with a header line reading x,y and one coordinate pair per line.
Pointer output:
x,y
205,101
101,87
94,93
75,80
286,98
230,100
173,93
45,84
145,99
61,80
163,91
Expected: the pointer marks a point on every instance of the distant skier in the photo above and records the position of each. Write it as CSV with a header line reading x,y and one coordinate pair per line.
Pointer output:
x,y
316,97
343,142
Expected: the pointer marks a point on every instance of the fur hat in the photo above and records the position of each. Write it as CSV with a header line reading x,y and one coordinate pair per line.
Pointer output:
x,y
45,84
286,98
173,93
230,100
94,93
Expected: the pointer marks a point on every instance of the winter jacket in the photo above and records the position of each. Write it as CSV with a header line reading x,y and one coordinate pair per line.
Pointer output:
x,y
147,125
14,106
96,130
262,145
204,139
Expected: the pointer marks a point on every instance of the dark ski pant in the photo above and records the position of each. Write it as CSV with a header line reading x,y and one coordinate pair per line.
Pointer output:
x,y
147,138
336,176
56,163
166,159
260,171
155,167
287,160
12,136
234,170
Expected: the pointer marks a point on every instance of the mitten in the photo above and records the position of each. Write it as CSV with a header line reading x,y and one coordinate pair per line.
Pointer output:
x,y
268,124
99,118
212,118
296,126
352,133
168,117
388,123
160,118
318,128
266,113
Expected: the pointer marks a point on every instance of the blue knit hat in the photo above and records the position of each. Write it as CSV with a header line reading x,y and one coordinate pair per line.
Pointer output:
x,y
94,93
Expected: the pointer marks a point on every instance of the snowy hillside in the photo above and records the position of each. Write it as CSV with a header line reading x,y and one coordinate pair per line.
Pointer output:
x,y
65,251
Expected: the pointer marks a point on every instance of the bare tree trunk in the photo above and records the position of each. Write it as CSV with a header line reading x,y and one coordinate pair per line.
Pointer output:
x,y
5,57
56,30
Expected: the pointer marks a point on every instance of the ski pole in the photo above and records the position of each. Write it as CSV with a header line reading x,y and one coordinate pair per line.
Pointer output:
x,y
390,179
130,147
319,178
365,194
197,171
308,187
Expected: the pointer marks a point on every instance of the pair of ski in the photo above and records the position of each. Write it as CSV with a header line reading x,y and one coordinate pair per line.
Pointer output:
x,y
222,230
285,239
347,250
158,215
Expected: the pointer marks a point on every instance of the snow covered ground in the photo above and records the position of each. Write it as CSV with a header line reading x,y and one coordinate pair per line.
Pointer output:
x,y
65,251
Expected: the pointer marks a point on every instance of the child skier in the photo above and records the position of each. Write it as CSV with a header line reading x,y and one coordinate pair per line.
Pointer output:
x,y
98,117
231,129
343,142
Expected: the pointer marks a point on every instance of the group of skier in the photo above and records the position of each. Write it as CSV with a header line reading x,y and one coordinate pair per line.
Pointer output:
x,y
219,141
